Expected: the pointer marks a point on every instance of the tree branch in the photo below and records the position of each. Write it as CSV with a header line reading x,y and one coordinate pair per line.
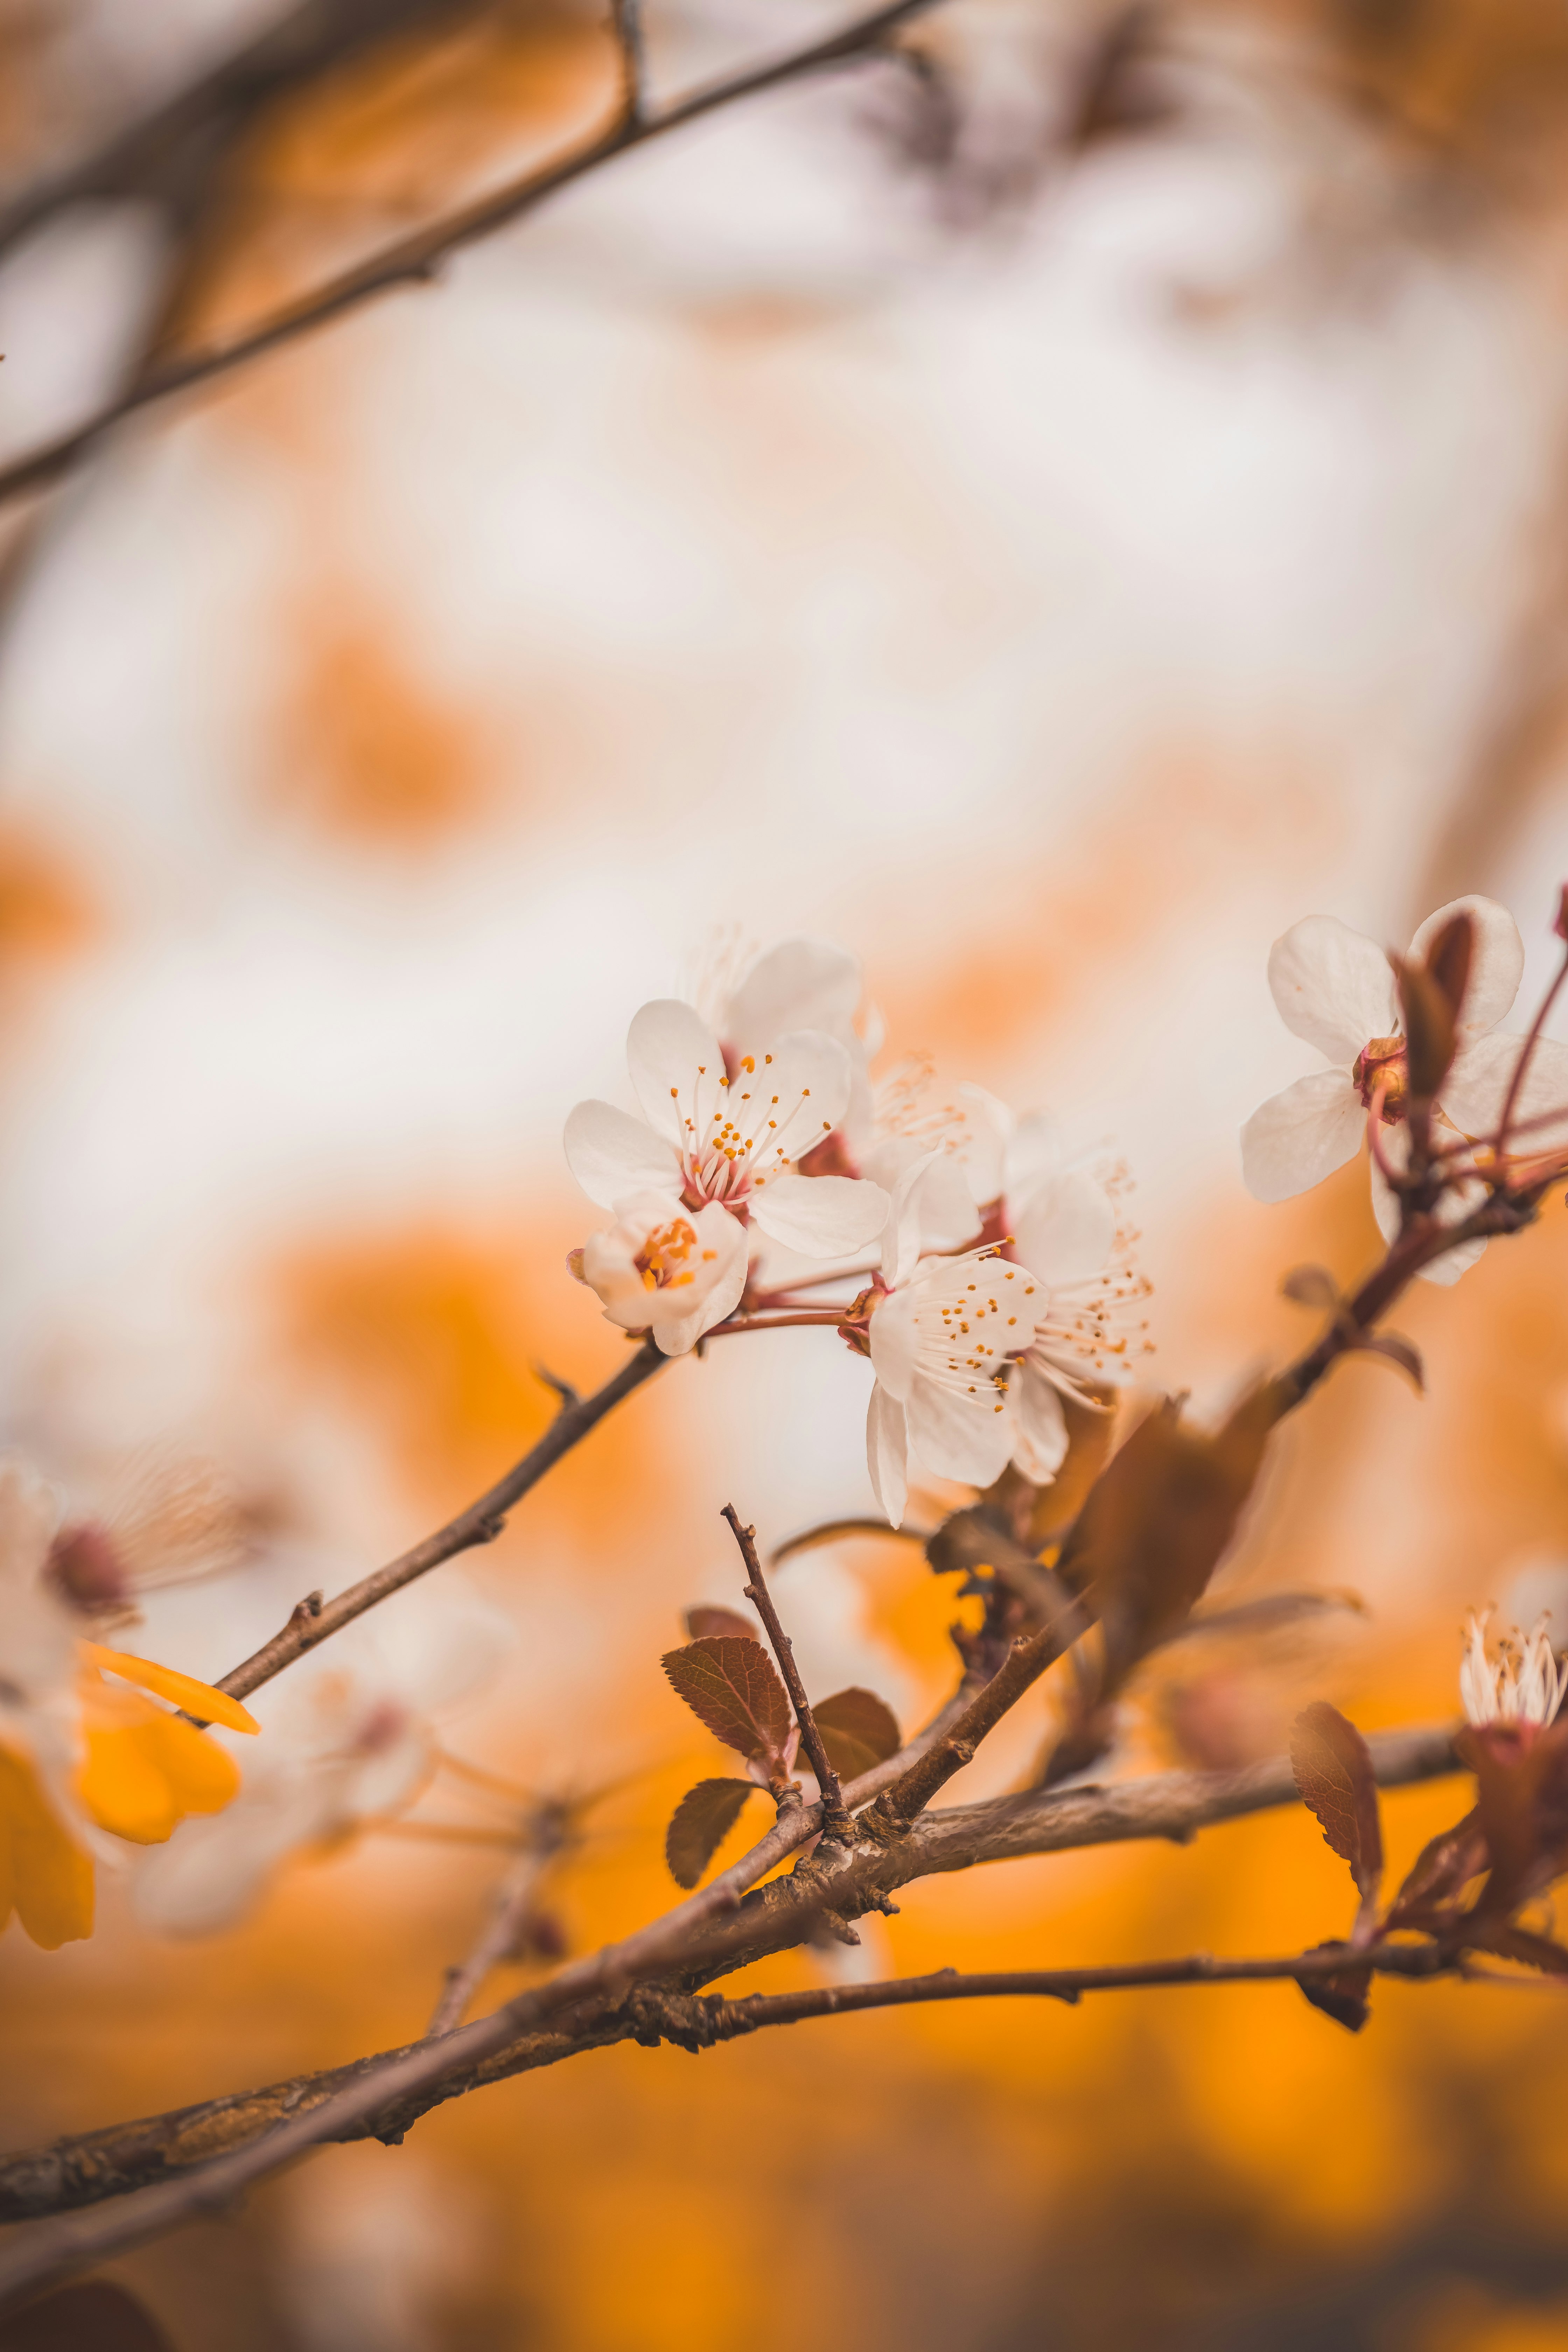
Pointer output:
x,y
479,1523
379,2096
416,259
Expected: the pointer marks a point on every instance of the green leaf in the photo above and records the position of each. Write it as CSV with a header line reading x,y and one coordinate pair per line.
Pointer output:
x,y
859,1730
700,1824
728,1682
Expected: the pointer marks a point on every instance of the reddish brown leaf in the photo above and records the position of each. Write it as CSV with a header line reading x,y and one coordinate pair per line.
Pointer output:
x,y
727,1622
700,1824
1333,1766
859,1729
1398,1351
1342,1997
1441,1872
95,2316
728,1682
1313,1286
1522,1793
1428,1019
1448,960
1518,1944
1157,1523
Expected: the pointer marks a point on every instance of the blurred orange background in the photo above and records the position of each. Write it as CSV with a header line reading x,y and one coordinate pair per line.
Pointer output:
x,y
1051,567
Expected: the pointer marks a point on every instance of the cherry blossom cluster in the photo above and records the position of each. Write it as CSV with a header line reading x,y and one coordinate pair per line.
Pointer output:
x,y
767,1167
1336,988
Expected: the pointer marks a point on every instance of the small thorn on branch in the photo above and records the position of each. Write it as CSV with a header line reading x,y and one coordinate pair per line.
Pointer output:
x,y
305,1612
563,1390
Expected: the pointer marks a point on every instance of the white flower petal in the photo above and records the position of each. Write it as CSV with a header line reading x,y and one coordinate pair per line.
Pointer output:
x,y
895,1343
1066,1227
1039,1425
1477,1088
803,983
887,1454
677,1069
1394,1144
1033,1159
1496,962
1332,986
958,1434
988,1127
931,1208
797,1093
1297,1137
823,1216
614,1156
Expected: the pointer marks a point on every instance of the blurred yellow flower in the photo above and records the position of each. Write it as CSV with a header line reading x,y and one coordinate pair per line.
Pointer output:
x,y
82,1753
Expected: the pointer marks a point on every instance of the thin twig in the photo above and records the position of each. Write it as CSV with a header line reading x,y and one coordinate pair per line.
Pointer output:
x,y
418,259
835,1821
545,1832
479,1523
732,2018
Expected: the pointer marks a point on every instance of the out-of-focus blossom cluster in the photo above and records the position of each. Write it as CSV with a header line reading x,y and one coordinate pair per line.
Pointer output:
x,y
991,1275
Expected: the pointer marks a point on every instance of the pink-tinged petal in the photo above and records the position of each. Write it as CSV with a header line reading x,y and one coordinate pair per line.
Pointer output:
x,y
886,1454
895,1343
615,1156
1496,962
1332,986
797,1093
1296,1139
1039,1425
1477,1088
677,1069
1066,1228
960,1434
821,1216
802,983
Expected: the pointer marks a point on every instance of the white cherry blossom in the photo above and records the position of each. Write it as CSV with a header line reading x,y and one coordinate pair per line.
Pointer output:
x,y
1335,988
731,1136
667,1271
1523,1682
1059,1216
943,1344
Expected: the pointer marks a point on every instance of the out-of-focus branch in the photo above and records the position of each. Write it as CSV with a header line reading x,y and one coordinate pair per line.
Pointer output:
x,y
170,153
479,1523
385,2094
627,17
513,1904
418,259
